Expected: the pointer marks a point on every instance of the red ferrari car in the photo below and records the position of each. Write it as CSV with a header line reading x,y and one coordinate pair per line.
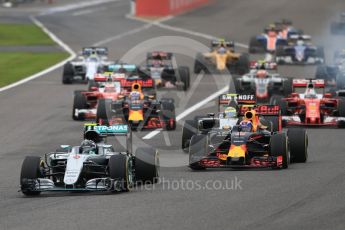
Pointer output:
x,y
86,102
312,106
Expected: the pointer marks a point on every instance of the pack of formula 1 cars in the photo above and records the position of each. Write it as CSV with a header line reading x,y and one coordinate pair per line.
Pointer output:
x,y
247,131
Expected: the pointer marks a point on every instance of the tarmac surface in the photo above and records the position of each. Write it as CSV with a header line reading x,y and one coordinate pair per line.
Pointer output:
x,y
36,118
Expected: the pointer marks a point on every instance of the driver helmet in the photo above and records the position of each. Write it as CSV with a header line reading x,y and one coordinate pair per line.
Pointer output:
x,y
230,112
222,50
88,146
247,126
300,42
261,74
310,92
110,88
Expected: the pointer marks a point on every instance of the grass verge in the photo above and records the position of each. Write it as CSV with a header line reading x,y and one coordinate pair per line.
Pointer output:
x,y
15,66
23,35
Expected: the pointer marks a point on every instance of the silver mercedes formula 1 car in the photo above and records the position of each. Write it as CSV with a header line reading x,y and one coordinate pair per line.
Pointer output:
x,y
92,166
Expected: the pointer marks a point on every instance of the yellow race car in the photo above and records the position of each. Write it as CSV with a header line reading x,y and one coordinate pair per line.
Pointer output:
x,y
222,58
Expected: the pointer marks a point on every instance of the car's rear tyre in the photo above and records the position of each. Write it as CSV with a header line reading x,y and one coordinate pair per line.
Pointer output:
x,y
274,122
254,45
298,142
189,129
103,113
340,80
197,150
199,63
242,65
91,84
185,77
168,115
120,170
68,73
278,100
279,147
79,103
31,170
146,165
287,87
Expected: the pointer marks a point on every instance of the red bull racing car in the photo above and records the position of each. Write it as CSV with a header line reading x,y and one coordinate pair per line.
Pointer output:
x,y
249,144
139,110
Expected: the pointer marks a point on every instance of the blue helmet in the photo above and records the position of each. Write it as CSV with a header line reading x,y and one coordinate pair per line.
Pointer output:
x,y
247,126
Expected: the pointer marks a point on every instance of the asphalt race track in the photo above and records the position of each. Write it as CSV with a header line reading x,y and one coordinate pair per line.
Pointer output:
x,y
36,118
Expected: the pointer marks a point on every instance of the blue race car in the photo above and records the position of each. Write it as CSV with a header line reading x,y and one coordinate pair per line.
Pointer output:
x,y
300,52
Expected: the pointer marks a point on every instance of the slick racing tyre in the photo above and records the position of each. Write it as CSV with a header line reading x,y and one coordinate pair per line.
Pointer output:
x,y
189,129
255,46
68,73
120,170
199,64
197,150
287,87
242,65
340,80
278,100
79,103
279,147
146,165
341,112
103,111
184,76
298,142
31,170
168,114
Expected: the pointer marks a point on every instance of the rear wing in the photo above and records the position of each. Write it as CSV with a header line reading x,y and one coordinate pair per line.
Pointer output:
x,y
239,99
159,54
117,67
109,76
303,83
101,51
229,44
263,110
264,65
105,131
303,37
98,133
145,84
235,101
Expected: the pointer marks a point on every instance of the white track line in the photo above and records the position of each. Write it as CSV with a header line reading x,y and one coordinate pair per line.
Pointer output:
x,y
50,69
75,6
88,11
190,110
120,36
197,34
159,23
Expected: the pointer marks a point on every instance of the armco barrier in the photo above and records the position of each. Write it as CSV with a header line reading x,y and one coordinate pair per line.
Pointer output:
x,y
166,7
